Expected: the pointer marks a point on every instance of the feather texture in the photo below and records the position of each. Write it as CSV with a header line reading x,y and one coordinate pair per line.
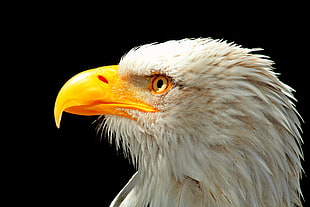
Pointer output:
x,y
227,133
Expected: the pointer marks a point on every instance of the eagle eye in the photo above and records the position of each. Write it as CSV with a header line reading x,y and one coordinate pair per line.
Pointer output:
x,y
160,84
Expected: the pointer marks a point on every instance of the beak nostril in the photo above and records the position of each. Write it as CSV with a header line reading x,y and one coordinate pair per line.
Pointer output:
x,y
103,79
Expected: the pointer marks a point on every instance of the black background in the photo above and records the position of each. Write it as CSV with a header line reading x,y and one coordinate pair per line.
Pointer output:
x,y
72,165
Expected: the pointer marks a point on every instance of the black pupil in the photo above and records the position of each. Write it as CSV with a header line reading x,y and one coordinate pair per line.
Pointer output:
x,y
160,83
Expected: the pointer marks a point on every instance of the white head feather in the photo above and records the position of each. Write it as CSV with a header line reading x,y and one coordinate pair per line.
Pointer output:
x,y
227,133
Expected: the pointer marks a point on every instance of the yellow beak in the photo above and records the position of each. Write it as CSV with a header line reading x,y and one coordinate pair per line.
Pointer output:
x,y
97,92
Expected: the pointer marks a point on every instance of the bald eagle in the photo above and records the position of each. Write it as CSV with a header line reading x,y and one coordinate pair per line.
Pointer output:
x,y
205,122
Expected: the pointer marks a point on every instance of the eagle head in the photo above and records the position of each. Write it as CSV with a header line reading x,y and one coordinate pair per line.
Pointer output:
x,y
205,122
